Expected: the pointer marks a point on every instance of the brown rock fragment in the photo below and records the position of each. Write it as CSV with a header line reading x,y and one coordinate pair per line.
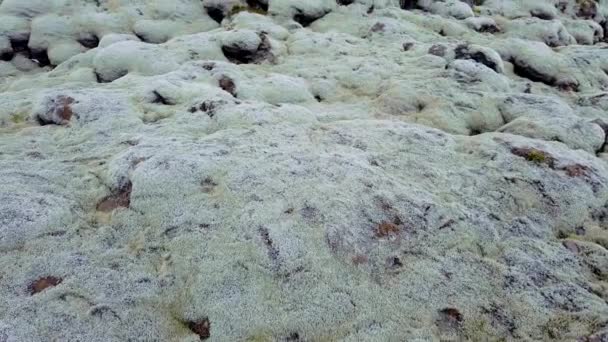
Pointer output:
x,y
201,327
121,198
43,283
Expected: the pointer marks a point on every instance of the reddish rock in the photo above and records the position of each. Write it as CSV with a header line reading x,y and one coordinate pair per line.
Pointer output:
x,y
119,199
43,284
386,228
201,327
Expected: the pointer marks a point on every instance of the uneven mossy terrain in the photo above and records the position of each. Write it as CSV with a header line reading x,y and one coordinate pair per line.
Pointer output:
x,y
320,170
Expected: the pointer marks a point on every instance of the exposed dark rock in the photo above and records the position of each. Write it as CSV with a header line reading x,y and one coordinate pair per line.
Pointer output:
x,y
524,69
216,13
305,19
239,54
227,84
408,4
208,107
540,14
58,111
119,199
450,320
378,27
489,28
7,55
261,5
201,327
101,79
438,50
43,283
19,45
160,99
40,57
463,52
89,41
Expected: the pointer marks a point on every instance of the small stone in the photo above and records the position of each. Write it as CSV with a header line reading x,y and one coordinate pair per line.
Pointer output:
x,y
227,84
307,18
378,27
344,2
207,185
386,228
120,199
359,259
201,327
438,50
56,110
576,170
43,284
571,246
450,318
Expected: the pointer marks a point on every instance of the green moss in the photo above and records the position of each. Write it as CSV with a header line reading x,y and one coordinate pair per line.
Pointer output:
x,y
585,2
478,328
537,156
18,118
534,155
561,326
593,234
240,8
260,337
